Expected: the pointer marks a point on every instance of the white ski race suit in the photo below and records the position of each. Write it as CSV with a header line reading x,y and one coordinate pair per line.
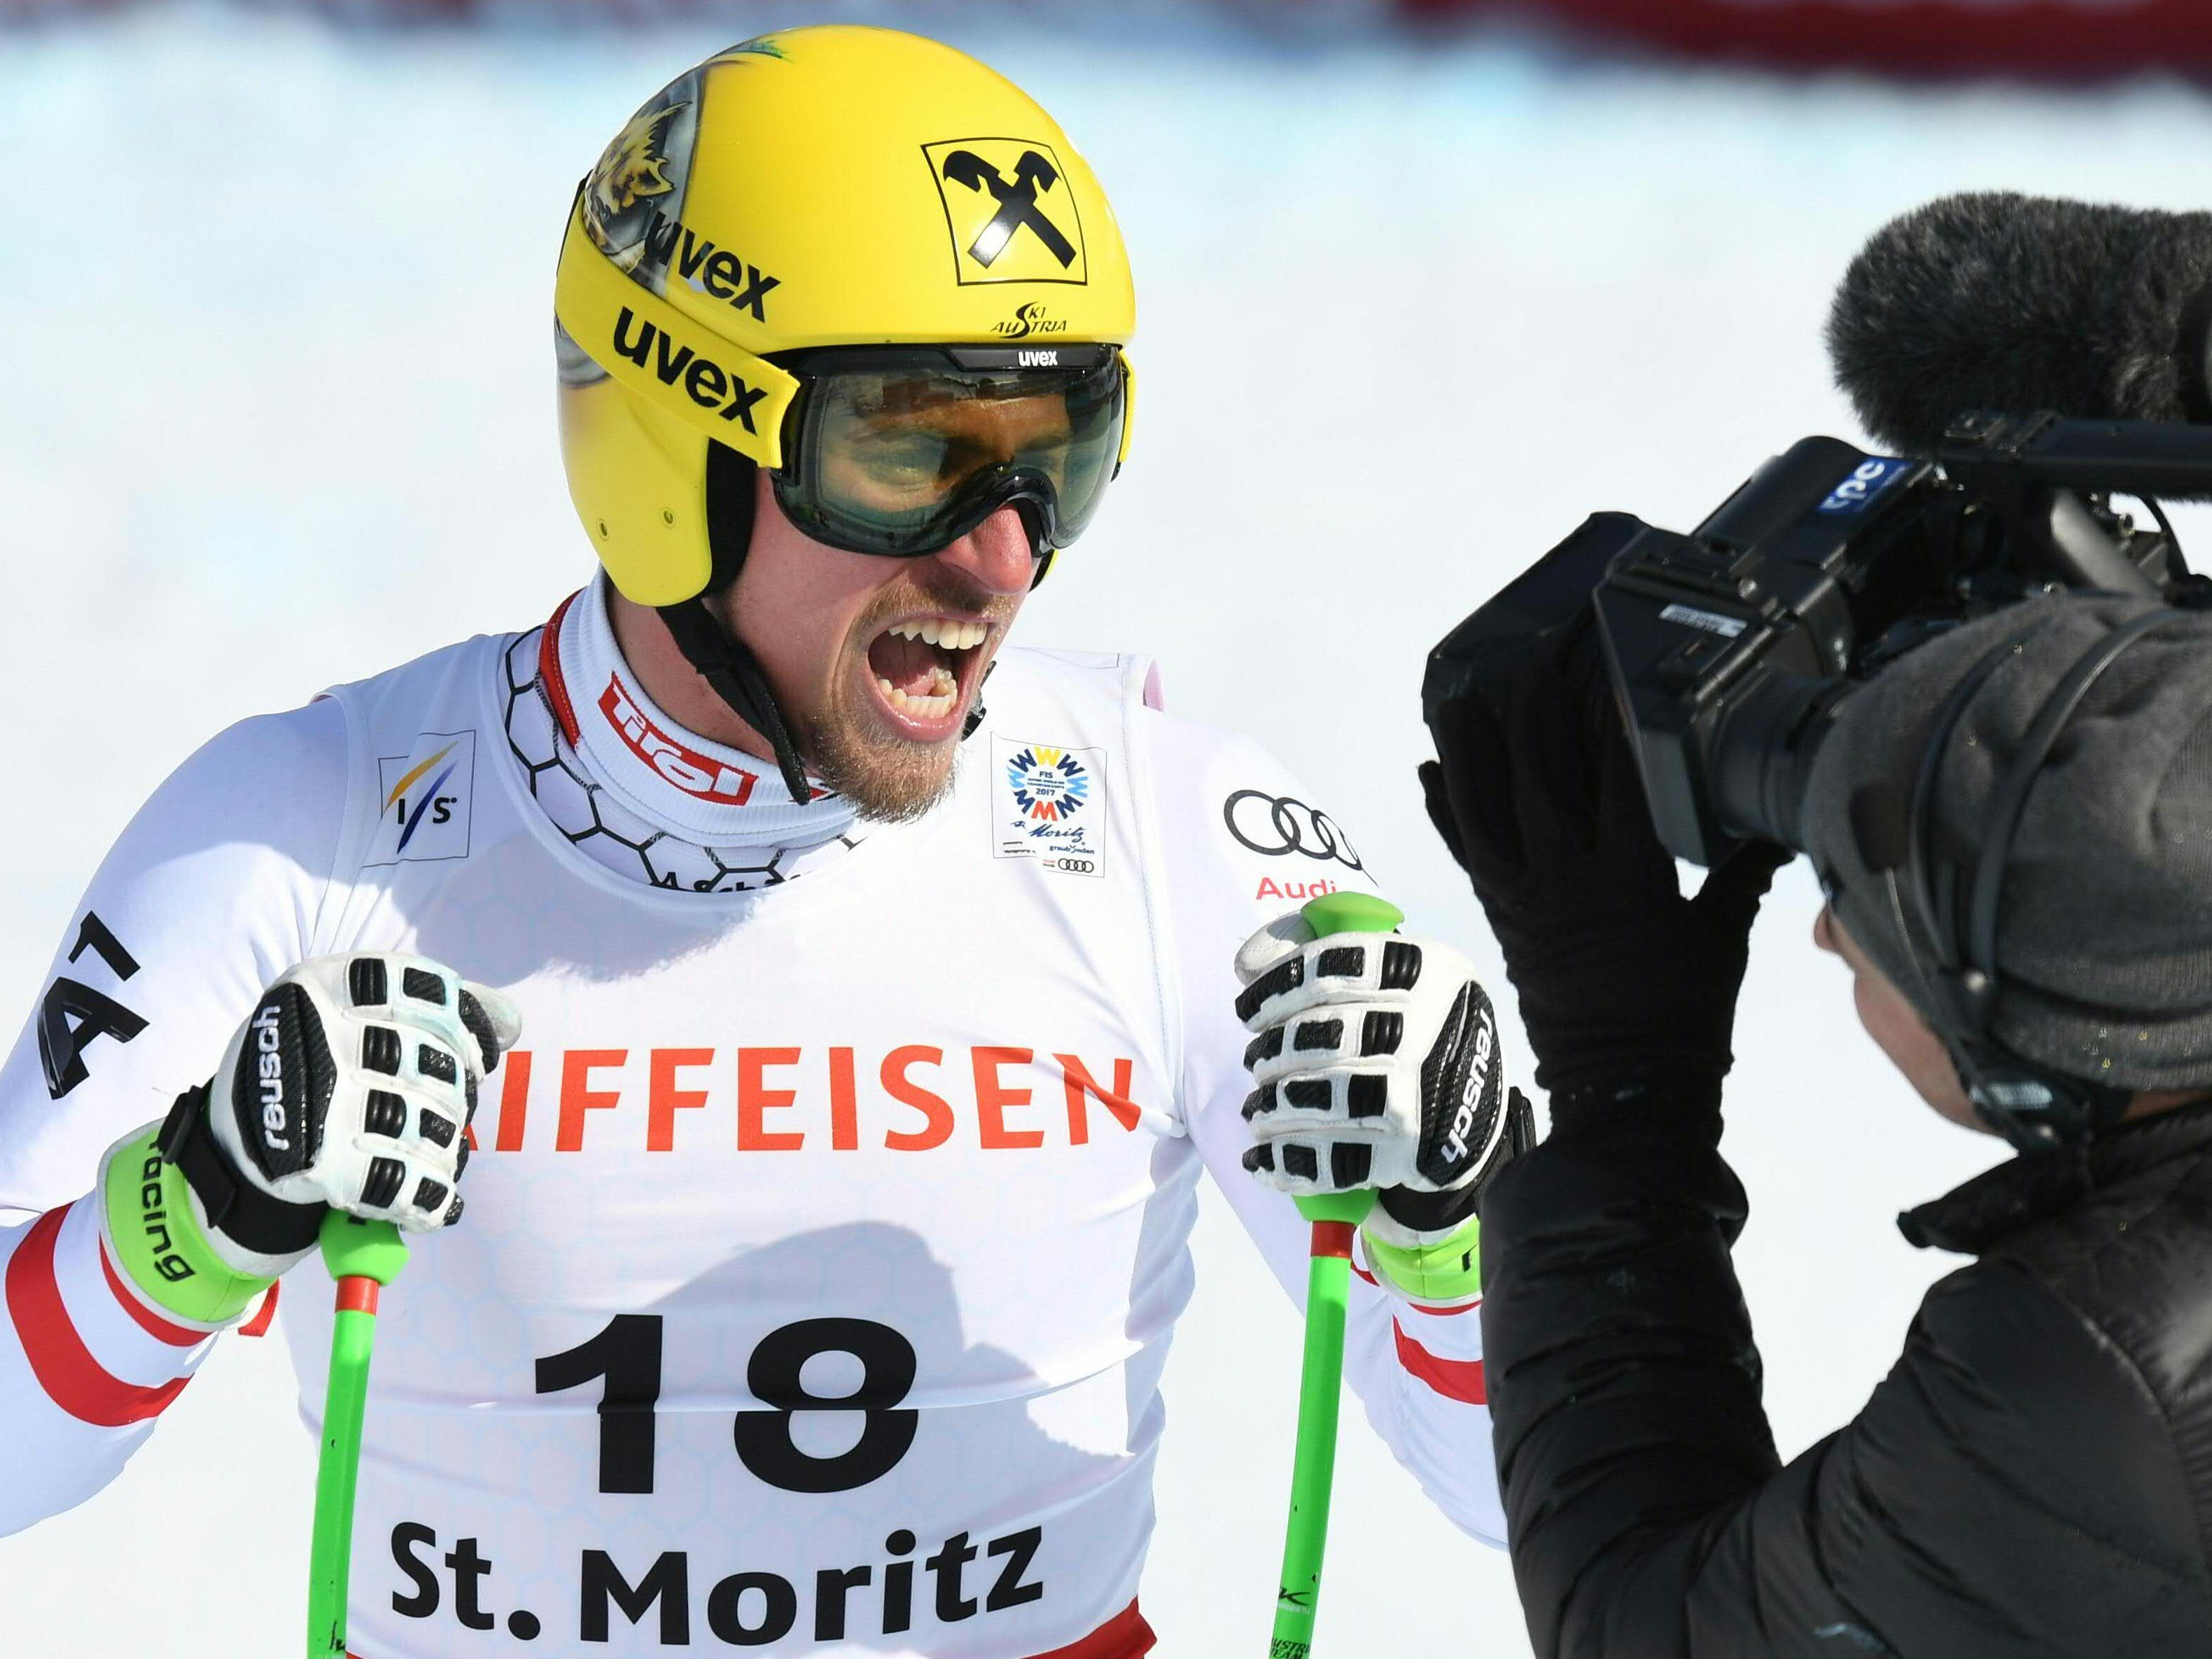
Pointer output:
x,y
825,1231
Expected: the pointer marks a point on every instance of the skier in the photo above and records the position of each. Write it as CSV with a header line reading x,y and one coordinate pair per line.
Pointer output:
x,y
824,1236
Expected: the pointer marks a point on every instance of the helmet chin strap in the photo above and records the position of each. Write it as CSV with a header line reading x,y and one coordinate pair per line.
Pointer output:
x,y
727,664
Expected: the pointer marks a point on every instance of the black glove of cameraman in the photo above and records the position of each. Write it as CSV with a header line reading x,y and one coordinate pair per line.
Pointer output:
x,y
1626,986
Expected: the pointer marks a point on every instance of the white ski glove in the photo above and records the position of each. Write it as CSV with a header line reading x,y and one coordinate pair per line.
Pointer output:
x,y
1377,1065
348,1088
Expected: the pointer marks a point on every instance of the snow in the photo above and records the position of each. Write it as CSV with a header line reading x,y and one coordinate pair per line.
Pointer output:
x,y
274,312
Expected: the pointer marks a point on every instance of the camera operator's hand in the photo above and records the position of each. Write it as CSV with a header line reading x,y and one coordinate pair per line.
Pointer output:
x,y
1625,984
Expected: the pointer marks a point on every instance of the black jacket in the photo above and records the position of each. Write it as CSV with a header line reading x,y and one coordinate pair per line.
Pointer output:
x,y
2034,1476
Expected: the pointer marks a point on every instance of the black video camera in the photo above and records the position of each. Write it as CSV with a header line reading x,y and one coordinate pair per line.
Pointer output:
x,y
1731,648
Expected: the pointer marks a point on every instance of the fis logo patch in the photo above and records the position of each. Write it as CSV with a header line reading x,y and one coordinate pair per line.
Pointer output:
x,y
426,795
1048,804
1010,214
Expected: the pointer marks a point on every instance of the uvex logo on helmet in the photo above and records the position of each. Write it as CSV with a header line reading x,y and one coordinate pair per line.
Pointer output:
x,y
705,381
1011,213
674,248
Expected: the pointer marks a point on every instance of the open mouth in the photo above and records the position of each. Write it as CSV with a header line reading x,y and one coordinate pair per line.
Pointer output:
x,y
924,665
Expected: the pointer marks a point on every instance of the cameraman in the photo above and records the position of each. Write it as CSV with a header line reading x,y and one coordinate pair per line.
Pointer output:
x,y
2034,1476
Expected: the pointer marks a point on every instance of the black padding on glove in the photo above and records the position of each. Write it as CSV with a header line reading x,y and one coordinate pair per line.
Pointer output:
x,y
1625,985
478,1023
282,1090
239,1209
1462,1088
1439,1212
367,983
386,1114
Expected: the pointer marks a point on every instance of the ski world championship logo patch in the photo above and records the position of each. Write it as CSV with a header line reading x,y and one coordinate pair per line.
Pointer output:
x,y
1050,805
1010,211
424,800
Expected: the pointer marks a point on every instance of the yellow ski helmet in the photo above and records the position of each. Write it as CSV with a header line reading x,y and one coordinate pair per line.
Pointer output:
x,y
823,187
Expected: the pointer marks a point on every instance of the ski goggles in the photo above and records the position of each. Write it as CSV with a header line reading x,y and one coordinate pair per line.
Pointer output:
x,y
902,449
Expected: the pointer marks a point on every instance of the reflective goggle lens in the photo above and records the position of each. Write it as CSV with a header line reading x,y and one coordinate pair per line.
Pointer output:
x,y
905,453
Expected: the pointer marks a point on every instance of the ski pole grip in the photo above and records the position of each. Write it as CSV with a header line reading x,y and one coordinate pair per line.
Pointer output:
x,y
1351,913
357,1249
1346,913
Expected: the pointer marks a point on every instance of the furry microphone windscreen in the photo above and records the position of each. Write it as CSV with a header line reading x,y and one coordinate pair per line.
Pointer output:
x,y
2020,303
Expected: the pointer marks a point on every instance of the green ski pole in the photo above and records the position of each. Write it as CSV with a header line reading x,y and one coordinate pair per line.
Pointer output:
x,y
1335,1217
363,1256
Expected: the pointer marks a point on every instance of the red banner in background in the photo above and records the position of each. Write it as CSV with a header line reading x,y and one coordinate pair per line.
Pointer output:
x,y
2042,39
2047,39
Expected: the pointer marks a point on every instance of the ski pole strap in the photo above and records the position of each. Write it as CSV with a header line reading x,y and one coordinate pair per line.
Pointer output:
x,y
1448,1271
1335,1217
172,1262
363,1256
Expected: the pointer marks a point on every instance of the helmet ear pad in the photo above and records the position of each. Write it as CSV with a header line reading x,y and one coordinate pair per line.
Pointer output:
x,y
733,481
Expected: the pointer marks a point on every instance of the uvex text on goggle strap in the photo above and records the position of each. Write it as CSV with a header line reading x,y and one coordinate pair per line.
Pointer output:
x,y
893,449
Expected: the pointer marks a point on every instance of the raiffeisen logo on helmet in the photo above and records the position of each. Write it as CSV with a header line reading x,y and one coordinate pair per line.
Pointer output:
x,y
1010,211
671,247
705,381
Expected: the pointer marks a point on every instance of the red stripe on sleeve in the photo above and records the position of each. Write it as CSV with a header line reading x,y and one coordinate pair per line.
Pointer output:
x,y
65,1369
1452,1312
1422,1307
1454,1379
146,1319
266,1315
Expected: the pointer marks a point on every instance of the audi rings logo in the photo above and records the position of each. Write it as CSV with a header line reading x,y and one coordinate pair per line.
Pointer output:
x,y
1275,826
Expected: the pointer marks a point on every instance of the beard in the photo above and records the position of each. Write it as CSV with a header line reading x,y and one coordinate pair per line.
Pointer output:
x,y
890,779
887,780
